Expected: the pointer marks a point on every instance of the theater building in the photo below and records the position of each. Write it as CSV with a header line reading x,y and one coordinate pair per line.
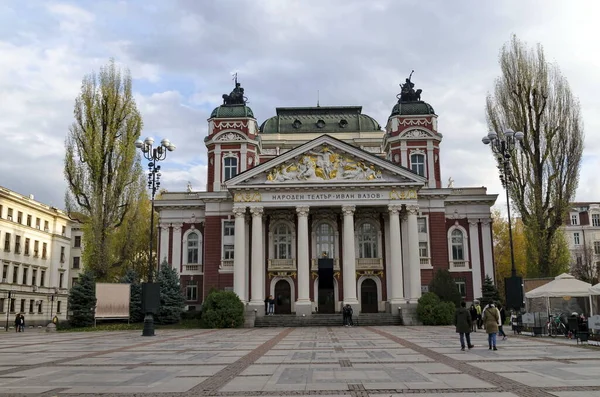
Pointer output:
x,y
321,206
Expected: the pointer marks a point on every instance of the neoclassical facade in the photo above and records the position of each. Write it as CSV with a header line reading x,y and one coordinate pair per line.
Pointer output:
x,y
321,206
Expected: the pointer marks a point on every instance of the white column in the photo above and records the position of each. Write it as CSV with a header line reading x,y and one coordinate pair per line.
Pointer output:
x,y
217,168
239,253
163,254
413,253
388,258
405,260
403,154
303,303
244,157
486,242
349,269
258,263
247,225
430,165
176,247
475,261
397,290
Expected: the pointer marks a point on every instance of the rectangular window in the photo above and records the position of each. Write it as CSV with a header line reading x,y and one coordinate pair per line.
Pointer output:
x,y
64,230
15,274
596,220
230,167
228,252
42,278
423,251
44,250
573,219
7,242
76,260
40,307
74,281
31,303
2,305
4,273
61,278
17,244
12,305
36,248
46,226
578,259
77,242
25,270
422,225
23,305
27,246
191,291
34,277
58,306
62,254
597,247
37,223
229,228
28,220
19,217
461,284
576,240
9,214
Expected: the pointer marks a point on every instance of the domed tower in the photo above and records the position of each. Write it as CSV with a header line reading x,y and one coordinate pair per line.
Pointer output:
x,y
411,138
232,140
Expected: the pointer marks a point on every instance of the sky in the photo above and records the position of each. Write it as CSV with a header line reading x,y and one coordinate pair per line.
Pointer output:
x,y
182,54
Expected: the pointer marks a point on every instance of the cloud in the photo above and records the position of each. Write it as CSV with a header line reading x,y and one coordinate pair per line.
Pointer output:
x,y
182,53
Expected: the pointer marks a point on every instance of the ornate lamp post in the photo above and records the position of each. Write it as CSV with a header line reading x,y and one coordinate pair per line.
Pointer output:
x,y
150,289
503,147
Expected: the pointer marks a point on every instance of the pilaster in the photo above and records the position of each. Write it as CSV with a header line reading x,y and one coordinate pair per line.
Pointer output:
x,y
486,242
239,254
475,259
177,247
349,270
413,253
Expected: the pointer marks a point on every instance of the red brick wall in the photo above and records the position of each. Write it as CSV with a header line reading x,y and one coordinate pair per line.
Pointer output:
x,y
437,171
212,253
210,177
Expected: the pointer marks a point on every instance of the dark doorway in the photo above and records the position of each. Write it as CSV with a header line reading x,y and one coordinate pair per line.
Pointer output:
x,y
325,296
283,297
368,296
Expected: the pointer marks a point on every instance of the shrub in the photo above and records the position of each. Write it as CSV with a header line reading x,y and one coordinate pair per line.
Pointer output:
x,y
444,286
172,301
432,311
222,309
191,315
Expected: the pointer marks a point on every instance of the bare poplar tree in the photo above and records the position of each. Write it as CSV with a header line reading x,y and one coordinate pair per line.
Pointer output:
x,y
584,266
533,96
101,166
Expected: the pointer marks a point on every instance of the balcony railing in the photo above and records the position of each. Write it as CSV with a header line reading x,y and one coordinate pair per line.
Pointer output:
x,y
314,264
282,264
192,268
424,261
459,265
226,266
369,264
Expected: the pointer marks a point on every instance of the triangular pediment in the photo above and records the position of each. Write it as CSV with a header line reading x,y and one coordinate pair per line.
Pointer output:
x,y
326,161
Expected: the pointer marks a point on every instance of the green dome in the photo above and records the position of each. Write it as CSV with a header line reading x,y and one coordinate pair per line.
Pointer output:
x,y
412,108
232,111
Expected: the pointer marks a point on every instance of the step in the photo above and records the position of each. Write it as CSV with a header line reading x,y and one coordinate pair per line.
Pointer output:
x,y
325,320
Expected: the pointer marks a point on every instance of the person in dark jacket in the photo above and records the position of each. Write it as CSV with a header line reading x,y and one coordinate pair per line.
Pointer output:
x,y
473,312
347,314
502,321
463,323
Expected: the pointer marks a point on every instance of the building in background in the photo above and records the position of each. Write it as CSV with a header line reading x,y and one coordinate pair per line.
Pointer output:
x,y
36,241
320,206
582,230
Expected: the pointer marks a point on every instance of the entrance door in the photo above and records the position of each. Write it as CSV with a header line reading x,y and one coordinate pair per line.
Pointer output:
x,y
368,296
283,297
326,297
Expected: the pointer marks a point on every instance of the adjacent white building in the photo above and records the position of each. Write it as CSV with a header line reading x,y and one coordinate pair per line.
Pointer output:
x,y
36,243
582,231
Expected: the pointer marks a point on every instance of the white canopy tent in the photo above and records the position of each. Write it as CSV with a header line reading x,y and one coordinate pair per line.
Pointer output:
x,y
565,287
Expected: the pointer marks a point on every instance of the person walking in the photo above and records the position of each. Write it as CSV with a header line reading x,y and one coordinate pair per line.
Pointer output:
x,y
348,315
18,322
479,319
271,305
491,318
502,321
473,312
22,323
464,323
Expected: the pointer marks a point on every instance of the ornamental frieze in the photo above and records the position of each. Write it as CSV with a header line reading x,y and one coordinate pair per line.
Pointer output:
x,y
247,197
282,274
403,194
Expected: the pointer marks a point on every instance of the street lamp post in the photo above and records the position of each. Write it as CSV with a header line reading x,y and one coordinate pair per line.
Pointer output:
x,y
153,154
503,147
9,296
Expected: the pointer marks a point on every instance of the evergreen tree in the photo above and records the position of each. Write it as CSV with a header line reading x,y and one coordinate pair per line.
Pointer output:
x,y
82,300
172,300
444,286
135,298
489,291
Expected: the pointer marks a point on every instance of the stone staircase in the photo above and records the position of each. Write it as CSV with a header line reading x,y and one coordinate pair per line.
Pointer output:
x,y
325,320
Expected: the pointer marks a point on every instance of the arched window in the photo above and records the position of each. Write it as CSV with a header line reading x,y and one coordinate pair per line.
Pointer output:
x,y
282,240
230,167
417,163
325,240
367,241
458,245
193,248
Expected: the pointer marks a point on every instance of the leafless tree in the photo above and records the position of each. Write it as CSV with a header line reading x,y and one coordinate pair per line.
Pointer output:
x,y
584,265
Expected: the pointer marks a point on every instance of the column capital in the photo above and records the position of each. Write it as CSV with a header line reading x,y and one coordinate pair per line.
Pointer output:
x,y
485,221
239,212
394,209
348,209
412,209
177,226
165,226
473,222
302,211
257,211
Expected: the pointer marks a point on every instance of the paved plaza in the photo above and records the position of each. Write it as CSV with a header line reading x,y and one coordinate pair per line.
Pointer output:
x,y
353,362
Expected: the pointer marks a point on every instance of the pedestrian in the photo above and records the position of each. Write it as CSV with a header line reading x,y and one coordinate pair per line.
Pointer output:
x,y
18,322
22,322
479,319
502,321
464,323
473,313
491,318
348,315
271,305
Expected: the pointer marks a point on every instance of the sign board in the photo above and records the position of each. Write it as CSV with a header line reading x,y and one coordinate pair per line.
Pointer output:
x,y
528,318
112,301
594,322
424,289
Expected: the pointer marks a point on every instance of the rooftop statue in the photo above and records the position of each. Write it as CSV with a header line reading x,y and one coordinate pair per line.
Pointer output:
x,y
236,97
408,93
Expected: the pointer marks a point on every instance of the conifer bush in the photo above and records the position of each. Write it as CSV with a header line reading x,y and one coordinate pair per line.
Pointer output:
x,y
222,309
82,301
172,301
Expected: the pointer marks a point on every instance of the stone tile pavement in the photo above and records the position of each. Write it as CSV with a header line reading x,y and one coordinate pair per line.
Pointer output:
x,y
349,362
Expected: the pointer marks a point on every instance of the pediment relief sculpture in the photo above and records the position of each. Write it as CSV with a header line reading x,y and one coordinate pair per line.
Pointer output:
x,y
324,164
